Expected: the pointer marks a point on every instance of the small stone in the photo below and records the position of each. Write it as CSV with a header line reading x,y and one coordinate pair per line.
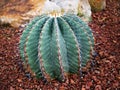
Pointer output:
x,y
114,41
98,87
21,89
19,80
94,78
11,88
112,57
88,85
83,87
119,77
28,75
62,88
56,84
101,53
72,81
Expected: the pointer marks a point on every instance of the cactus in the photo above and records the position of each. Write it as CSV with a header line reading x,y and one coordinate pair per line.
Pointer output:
x,y
53,47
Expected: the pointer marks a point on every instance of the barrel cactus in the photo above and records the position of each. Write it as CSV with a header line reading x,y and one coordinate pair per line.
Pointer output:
x,y
54,47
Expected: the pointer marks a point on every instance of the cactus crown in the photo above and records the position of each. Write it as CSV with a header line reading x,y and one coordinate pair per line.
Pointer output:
x,y
52,47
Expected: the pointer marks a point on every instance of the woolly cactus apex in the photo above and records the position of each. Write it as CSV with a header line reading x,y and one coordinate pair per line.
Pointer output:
x,y
52,47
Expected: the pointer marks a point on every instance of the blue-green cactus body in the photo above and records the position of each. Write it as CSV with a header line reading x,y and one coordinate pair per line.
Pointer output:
x,y
52,47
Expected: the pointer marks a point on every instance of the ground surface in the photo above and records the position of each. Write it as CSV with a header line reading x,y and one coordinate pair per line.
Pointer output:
x,y
103,74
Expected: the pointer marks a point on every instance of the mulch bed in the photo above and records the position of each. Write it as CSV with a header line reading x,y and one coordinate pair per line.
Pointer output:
x,y
103,72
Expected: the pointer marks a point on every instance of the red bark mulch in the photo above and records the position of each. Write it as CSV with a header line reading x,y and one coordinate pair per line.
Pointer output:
x,y
103,73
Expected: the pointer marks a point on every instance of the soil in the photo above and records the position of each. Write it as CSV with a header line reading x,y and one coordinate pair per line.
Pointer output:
x,y
102,73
